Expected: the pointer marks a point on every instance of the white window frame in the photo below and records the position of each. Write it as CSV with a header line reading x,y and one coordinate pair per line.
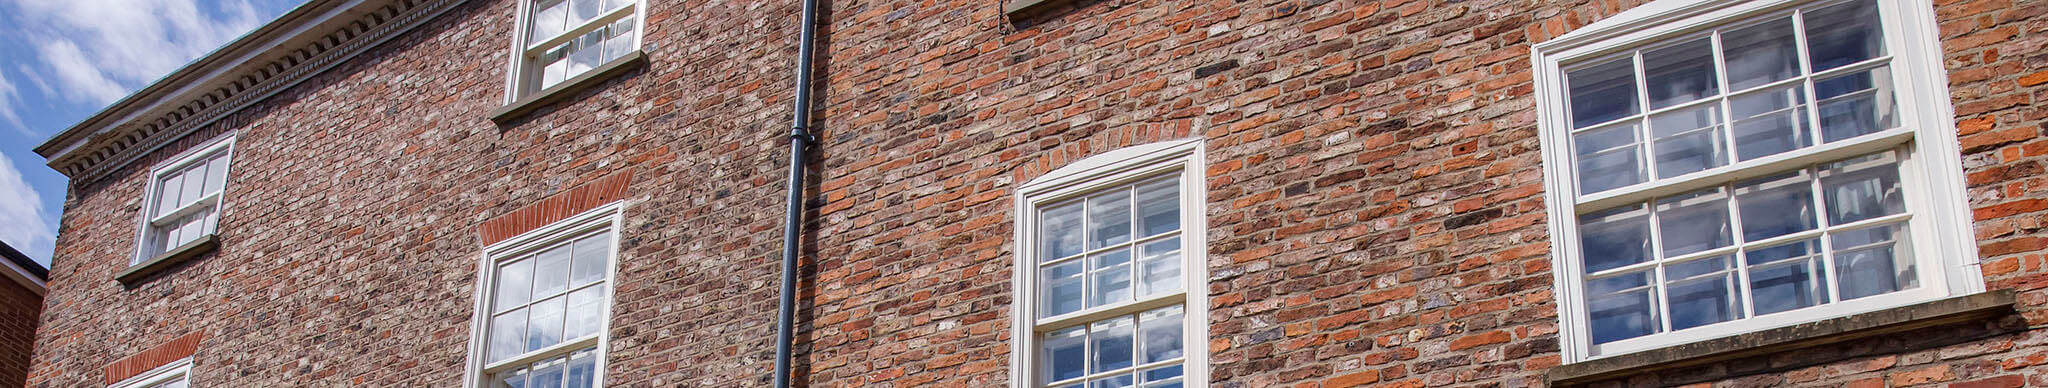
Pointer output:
x,y
610,217
523,67
1117,168
147,220
1925,138
180,369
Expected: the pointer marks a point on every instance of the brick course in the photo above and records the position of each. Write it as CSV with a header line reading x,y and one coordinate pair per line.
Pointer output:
x,y
19,307
1376,204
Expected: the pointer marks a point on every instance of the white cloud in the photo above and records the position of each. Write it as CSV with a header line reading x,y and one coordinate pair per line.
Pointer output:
x,y
22,224
9,98
100,50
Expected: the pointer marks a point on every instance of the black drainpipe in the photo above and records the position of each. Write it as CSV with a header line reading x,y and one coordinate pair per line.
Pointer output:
x,y
799,138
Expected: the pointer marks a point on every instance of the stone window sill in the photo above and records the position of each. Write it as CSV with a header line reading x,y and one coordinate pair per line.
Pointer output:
x,y
569,87
135,274
1789,338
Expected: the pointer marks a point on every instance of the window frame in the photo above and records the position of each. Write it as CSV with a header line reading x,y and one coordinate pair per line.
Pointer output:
x,y
1119,168
524,76
607,218
1925,140
182,368
147,223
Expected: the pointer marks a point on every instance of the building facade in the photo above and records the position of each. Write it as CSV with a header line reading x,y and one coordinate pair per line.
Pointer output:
x,y
1063,193
21,302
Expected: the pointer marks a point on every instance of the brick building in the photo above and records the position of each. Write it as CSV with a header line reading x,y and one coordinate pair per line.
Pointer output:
x,y
21,300
1026,193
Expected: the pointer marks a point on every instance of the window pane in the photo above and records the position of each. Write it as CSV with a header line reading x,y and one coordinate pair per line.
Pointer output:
x,y
1109,219
1680,74
1760,54
1843,34
582,370
1160,331
513,379
586,54
167,194
1159,207
508,335
1615,238
1114,382
1109,342
1874,261
1621,307
1855,104
189,228
620,41
586,312
515,284
1776,206
216,173
1688,140
1770,122
1159,267
1862,188
1694,222
592,256
551,272
1608,158
1165,376
1786,277
548,20
583,10
195,185
1066,354
1059,232
1702,292
1111,278
557,68
1603,93
615,4
544,323
548,374
1062,289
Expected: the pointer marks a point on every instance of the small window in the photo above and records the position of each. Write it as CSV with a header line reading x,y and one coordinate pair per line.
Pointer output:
x,y
1111,272
176,374
544,305
1756,170
184,200
561,39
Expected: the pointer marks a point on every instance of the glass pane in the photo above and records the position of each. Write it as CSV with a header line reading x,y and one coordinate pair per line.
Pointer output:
x,y
190,228
1760,54
1066,354
167,195
586,312
592,256
1874,261
557,69
551,272
1770,122
1109,342
582,370
1855,104
548,20
195,185
1159,267
1060,232
1062,288
587,52
1608,158
216,173
211,219
1693,222
583,10
167,238
1160,331
1776,206
515,284
1688,140
1702,292
508,334
1680,74
513,379
1603,93
1164,373
620,41
1111,278
1621,307
544,323
1159,207
1109,219
1843,34
1862,188
1786,277
615,4
1615,238
1114,382
547,374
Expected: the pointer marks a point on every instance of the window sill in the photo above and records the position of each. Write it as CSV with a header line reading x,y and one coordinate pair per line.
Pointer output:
x,y
137,273
1790,338
569,87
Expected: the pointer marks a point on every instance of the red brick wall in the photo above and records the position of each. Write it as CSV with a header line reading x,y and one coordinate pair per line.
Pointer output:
x,y
18,309
1375,193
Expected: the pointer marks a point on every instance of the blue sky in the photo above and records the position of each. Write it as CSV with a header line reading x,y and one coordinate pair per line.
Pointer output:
x,y
64,60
